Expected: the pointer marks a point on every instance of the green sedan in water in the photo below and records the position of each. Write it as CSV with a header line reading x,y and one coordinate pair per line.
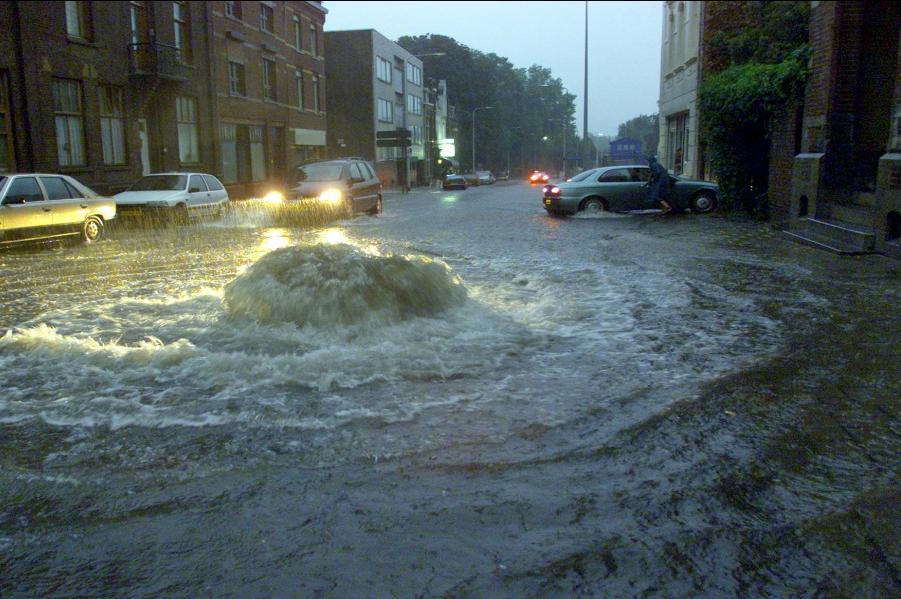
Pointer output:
x,y
624,189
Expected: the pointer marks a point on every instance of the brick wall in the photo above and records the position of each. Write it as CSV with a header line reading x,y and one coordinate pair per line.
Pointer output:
x,y
784,142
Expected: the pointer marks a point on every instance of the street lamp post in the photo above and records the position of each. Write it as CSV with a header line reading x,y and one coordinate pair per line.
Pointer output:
x,y
474,134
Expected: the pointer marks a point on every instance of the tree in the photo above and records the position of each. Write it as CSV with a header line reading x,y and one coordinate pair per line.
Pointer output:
x,y
644,128
528,104
760,64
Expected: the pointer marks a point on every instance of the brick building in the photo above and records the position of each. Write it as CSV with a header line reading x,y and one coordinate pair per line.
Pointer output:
x,y
108,91
104,91
846,181
380,88
268,69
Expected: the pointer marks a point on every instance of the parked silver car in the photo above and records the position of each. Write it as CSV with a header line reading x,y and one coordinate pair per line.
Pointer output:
x,y
43,206
173,193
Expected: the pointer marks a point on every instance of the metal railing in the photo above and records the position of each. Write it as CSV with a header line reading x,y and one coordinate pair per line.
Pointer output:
x,y
156,59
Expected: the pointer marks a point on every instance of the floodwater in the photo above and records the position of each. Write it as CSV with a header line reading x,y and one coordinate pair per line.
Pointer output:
x,y
463,396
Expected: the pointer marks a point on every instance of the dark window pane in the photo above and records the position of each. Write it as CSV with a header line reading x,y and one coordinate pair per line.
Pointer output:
x,y
24,189
56,188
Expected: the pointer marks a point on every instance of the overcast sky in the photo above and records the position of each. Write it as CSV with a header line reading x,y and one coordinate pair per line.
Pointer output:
x,y
623,43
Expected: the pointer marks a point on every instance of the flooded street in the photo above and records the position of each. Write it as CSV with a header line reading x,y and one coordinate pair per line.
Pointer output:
x,y
462,396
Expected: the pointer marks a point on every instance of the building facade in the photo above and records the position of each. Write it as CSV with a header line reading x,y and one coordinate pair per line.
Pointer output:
x,y
845,188
109,91
376,86
104,91
679,150
268,69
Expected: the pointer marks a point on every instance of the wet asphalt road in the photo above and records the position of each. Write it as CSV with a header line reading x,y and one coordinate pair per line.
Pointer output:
x,y
522,406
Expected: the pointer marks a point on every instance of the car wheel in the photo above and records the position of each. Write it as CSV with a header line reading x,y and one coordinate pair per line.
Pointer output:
x,y
703,202
594,206
377,209
92,229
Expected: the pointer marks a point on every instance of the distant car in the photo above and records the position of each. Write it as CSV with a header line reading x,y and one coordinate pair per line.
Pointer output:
x,y
538,178
622,189
454,182
503,176
472,179
44,206
173,194
349,184
486,177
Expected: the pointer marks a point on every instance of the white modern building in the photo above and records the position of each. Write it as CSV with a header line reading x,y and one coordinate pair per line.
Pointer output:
x,y
679,80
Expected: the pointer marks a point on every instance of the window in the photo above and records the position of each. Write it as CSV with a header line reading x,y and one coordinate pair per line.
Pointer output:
x,y
233,10
677,142
414,104
242,153
267,18
69,119
268,79
617,175
414,74
23,189
78,23
314,39
140,32
315,93
57,189
642,175
182,18
386,111
196,184
112,124
298,33
7,163
300,94
236,85
257,154
383,69
416,134
188,143
213,183
355,172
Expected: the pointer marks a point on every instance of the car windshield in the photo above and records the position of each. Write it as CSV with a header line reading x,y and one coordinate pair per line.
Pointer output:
x,y
319,172
160,183
582,176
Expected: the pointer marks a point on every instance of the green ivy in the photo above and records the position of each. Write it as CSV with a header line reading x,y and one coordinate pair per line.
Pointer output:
x,y
737,107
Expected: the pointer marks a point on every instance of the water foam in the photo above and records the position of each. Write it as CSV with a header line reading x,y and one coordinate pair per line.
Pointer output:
x,y
334,285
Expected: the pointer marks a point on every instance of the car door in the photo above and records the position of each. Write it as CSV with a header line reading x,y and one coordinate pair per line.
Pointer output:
x,y
218,194
369,188
198,192
358,188
69,207
617,187
24,212
642,175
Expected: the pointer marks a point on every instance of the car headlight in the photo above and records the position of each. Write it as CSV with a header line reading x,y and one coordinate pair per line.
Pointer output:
x,y
274,197
331,196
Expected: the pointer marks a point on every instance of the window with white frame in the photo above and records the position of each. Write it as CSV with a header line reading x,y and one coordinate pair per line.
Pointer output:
x,y
299,84
316,101
383,69
112,124
267,18
416,134
69,119
414,104
182,19
78,22
233,10
385,111
236,85
298,32
314,39
269,79
414,74
188,138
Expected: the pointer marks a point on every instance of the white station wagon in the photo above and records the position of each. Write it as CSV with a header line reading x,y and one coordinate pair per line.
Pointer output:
x,y
39,206
177,193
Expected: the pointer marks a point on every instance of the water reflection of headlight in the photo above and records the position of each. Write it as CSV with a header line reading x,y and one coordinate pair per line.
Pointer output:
x,y
274,197
331,196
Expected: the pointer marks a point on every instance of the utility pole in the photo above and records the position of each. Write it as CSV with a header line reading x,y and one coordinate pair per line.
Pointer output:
x,y
585,88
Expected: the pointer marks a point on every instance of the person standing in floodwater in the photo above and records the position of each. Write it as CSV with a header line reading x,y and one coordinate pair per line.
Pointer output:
x,y
659,185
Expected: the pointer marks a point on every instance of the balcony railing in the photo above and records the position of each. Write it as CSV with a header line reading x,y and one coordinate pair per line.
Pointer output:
x,y
157,59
